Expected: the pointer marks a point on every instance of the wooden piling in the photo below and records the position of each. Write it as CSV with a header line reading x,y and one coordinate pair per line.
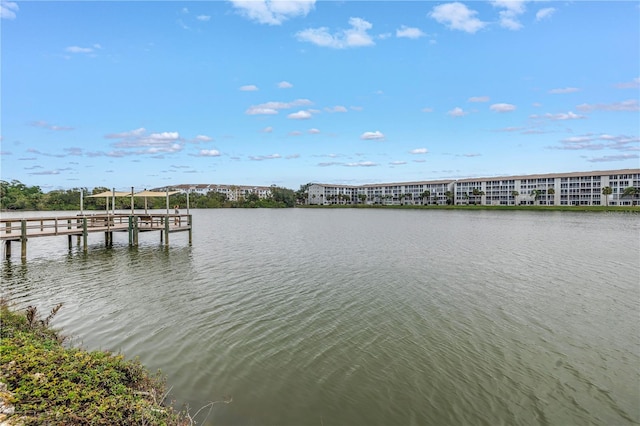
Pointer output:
x,y
166,230
7,249
135,232
85,234
130,230
23,239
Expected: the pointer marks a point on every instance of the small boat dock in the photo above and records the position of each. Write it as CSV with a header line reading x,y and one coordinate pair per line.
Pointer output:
x,y
23,229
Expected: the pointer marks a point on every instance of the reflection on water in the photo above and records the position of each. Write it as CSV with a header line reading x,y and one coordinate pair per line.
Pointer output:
x,y
366,316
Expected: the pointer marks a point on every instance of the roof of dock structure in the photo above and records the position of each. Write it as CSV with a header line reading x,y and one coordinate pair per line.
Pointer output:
x,y
144,193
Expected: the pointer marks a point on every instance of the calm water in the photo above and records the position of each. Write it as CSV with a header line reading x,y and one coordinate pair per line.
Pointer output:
x,y
366,317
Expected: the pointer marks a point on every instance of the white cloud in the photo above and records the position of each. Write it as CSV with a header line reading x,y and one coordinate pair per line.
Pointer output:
x,y
564,90
409,32
419,151
356,36
362,164
633,84
285,85
268,129
154,143
203,18
628,105
203,138
502,107
608,158
300,115
372,136
295,133
545,13
270,108
209,153
258,110
249,88
314,131
337,108
457,17
78,49
273,12
479,99
457,112
427,109
264,157
398,163
8,9
509,16
559,116
45,125
604,141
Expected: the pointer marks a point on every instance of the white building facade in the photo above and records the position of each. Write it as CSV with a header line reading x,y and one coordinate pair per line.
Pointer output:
x,y
233,192
563,189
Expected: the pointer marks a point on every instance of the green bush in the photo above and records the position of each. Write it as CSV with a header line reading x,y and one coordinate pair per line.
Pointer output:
x,y
50,384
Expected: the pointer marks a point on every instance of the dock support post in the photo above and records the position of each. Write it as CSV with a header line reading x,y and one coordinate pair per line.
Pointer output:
x,y
190,227
70,242
84,234
23,239
130,230
135,231
166,230
7,249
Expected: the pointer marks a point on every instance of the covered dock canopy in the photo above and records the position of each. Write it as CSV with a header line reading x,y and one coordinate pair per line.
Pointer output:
x,y
145,194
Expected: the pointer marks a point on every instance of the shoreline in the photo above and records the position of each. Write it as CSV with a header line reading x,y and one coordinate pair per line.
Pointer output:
x,y
42,380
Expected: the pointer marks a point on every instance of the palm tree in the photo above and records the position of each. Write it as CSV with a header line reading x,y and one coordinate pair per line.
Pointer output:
x,y
362,197
477,193
410,196
449,196
551,192
606,191
631,191
425,194
515,194
536,195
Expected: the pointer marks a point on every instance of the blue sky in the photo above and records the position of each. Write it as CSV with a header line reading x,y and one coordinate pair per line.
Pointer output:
x,y
148,94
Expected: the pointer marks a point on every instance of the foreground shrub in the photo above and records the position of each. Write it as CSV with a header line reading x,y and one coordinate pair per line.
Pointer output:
x,y
47,383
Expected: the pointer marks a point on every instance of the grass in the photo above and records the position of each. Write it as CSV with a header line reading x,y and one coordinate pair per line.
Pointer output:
x,y
625,209
47,383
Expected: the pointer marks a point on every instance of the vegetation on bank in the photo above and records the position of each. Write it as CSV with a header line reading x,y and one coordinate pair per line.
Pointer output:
x,y
43,382
628,209
15,195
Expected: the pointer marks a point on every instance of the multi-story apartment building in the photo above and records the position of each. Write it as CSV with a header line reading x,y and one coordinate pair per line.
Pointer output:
x,y
233,192
569,189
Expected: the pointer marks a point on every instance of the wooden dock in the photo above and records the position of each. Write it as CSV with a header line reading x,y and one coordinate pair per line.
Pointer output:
x,y
22,229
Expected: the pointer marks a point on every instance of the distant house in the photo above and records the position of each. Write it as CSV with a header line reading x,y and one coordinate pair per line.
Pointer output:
x,y
233,192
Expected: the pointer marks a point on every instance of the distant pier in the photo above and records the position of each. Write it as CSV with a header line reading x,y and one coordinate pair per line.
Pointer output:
x,y
22,229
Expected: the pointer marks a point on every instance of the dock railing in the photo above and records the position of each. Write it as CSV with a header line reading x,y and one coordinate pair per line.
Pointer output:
x,y
21,229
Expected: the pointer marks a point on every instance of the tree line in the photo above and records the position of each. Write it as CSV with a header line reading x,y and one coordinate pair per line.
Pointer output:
x,y
15,195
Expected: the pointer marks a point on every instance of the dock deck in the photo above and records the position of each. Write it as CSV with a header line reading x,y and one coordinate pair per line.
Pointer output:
x,y
22,229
